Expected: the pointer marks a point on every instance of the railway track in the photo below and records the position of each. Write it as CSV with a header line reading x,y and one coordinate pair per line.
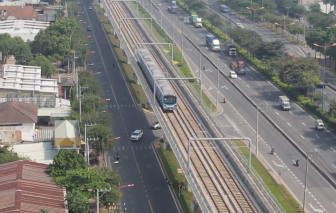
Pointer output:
x,y
222,189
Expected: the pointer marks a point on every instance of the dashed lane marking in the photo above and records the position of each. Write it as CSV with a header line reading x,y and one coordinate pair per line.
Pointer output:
x,y
288,124
277,113
317,136
303,124
248,86
301,136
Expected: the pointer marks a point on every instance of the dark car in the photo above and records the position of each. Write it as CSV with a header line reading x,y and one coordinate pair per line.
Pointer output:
x,y
89,28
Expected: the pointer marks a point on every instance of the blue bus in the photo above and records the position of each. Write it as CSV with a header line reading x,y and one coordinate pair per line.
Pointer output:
x,y
224,9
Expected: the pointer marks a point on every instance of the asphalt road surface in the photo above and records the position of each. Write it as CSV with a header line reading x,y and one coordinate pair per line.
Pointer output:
x,y
268,35
239,117
138,163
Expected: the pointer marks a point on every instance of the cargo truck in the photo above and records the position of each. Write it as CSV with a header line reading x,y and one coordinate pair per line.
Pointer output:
x,y
230,49
208,39
284,103
196,21
215,45
238,67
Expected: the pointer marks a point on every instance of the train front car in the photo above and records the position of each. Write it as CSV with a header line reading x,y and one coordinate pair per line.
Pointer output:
x,y
163,90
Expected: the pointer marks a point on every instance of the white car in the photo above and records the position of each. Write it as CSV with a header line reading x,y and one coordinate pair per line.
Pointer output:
x,y
240,25
233,75
90,8
136,135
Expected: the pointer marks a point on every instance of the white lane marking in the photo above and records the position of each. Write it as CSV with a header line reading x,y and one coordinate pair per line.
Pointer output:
x,y
302,137
248,86
278,165
210,88
259,85
333,166
317,210
224,87
290,112
333,204
269,93
251,78
303,124
317,136
277,113
288,124
196,38
332,149
239,78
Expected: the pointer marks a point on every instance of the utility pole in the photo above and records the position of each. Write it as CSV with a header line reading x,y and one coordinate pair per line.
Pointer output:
x,y
182,42
287,11
200,70
313,153
101,191
80,102
86,143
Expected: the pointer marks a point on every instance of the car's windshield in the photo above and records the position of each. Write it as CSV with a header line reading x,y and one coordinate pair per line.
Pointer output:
x,y
135,134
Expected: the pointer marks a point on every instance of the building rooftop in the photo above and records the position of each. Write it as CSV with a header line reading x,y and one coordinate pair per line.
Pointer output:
x,y
21,77
14,112
25,187
67,133
62,109
17,12
26,29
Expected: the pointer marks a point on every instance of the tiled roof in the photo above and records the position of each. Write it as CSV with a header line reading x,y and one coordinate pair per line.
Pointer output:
x,y
13,112
25,187
25,12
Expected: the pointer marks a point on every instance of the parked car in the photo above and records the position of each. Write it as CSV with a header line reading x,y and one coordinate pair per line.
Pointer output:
x,y
136,135
240,25
233,75
156,125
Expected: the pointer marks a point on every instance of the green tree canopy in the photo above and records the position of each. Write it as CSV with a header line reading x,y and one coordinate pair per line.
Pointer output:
x,y
47,68
78,202
7,156
5,46
21,51
300,72
66,160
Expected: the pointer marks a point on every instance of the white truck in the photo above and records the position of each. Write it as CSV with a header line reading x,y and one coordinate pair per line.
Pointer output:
x,y
284,103
215,45
198,23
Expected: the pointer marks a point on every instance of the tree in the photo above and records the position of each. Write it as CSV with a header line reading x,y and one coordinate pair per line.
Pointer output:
x,y
7,156
47,68
268,50
5,46
78,202
21,51
300,72
66,160
315,8
332,108
102,133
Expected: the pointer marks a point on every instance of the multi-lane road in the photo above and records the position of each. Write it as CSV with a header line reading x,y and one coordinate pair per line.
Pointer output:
x,y
268,35
239,116
138,163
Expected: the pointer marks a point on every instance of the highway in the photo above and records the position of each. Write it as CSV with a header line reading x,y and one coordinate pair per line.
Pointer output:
x,y
240,114
138,163
268,35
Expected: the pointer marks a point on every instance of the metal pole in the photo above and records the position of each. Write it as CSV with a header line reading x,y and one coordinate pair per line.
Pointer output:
x,y
151,9
172,53
305,186
254,24
200,70
257,133
324,70
173,30
74,72
151,25
189,142
217,88
97,201
154,91
182,43
85,142
137,7
161,19
283,50
80,105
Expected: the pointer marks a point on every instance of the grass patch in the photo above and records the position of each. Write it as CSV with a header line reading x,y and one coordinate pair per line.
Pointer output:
x,y
136,89
171,165
161,36
279,191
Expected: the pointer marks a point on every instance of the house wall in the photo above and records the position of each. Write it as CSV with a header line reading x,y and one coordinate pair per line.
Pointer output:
x,y
27,130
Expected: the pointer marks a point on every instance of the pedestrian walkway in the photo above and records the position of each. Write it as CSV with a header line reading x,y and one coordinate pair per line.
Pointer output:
x,y
132,147
121,106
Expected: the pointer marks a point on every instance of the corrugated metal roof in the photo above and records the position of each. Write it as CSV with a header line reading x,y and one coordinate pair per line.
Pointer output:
x,y
25,187
66,129
14,112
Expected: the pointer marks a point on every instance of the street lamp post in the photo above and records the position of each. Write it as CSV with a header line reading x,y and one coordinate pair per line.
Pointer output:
x,y
325,47
254,12
313,153
257,132
80,102
284,25
287,11
99,191
119,188
86,143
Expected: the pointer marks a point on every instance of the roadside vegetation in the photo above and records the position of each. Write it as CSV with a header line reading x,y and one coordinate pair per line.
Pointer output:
x,y
161,36
280,68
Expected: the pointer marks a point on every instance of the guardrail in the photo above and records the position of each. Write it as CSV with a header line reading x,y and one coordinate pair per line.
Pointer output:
x,y
191,179
257,180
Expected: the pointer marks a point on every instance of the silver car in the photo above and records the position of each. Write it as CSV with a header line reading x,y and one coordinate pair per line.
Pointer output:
x,y
156,125
136,135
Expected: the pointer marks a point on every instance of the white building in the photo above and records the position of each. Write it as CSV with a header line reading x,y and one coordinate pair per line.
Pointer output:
x,y
26,78
25,29
17,122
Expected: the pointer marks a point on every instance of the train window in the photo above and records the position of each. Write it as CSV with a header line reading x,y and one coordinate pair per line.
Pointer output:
x,y
169,100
